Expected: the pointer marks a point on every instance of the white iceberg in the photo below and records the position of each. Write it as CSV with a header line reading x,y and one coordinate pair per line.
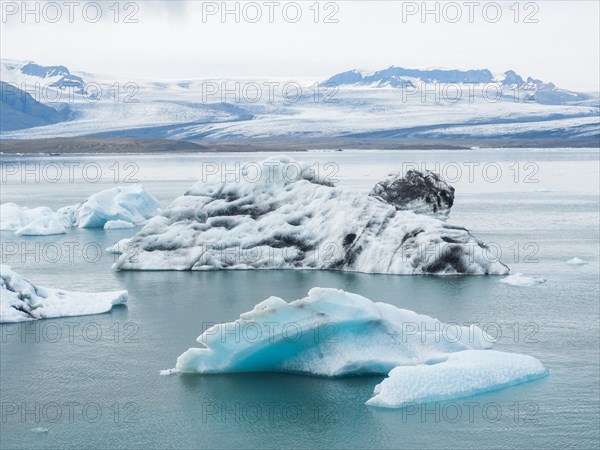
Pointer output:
x,y
335,333
28,221
576,262
281,215
124,203
118,207
520,280
117,225
461,374
21,300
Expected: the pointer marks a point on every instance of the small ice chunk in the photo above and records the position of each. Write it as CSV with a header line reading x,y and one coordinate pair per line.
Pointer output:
x,y
167,372
40,430
518,279
462,374
117,225
576,262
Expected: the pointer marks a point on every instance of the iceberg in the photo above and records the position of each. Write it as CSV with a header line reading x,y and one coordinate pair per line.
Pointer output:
x,y
21,300
32,221
280,214
576,262
335,333
121,203
520,280
118,207
461,374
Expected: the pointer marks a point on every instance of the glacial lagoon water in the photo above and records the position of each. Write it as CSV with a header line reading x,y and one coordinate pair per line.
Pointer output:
x,y
94,381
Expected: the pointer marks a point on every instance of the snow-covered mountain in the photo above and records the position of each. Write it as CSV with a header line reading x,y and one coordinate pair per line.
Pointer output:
x,y
20,110
509,82
382,107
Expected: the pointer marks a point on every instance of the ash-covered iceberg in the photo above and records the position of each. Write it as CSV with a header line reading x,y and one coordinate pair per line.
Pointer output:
x,y
21,300
281,215
334,333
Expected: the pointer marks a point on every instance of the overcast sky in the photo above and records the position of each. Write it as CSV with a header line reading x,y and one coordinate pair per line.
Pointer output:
x,y
176,40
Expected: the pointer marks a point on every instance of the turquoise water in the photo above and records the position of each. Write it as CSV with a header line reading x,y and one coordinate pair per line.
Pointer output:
x,y
94,381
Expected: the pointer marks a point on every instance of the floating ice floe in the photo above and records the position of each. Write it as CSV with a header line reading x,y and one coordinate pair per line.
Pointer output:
x,y
282,215
335,333
21,300
117,225
461,374
576,262
118,207
518,279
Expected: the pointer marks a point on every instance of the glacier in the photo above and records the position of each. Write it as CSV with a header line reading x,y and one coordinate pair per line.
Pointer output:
x,y
283,215
334,333
118,207
386,108
21,300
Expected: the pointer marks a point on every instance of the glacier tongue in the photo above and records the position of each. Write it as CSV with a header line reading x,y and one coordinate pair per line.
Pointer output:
x,y
283,216
334,333
21,300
